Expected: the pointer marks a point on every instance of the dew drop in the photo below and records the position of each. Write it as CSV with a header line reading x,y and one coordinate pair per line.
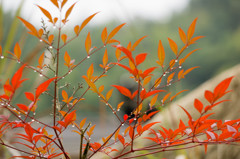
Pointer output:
x,y
40,75
89,138
18,61
13,108
176,60
50,47
34,71
118,110
2,104
135,119
73,126
63,77
40,40
88,57
164,74
98,96
33,120
2,57
106,103
122,124
54,27
19,116
34,113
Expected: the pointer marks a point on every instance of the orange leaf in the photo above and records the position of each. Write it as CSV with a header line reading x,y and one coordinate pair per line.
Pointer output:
x,y
153,100
41,61
77,29
86,21
90,71
17,51
119,106
64,38
161,53
68,12
198,105
147,80
90,132
114,32
65,96
63,3
182,35
50,39
189,70
181,61
177,94
170,77
82,123
146,127
180,74
16,79
46,13
125,51
105,58
191,29
173,46
189,116
30,27
88,43
104,35
67,59
136,43
109,94
165,98
55,2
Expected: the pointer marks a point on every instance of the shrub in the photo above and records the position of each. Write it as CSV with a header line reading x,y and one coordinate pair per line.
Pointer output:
x,y
150,90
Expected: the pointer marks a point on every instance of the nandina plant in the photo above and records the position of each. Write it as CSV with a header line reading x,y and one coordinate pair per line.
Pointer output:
x,y
36,136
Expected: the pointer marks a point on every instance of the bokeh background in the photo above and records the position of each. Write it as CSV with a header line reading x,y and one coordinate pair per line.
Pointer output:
x,y
218,21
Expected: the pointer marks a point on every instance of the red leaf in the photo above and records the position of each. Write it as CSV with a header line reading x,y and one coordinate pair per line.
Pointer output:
x,y
209,96
125,117
146,127
189,116
121,139
29,96
43,87
140,58
125,51
152,93
23,107
17,77
123,90
198,105
221,88
147,72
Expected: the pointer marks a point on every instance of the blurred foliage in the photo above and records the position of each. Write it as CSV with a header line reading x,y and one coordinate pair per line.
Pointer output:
x,y
218,21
